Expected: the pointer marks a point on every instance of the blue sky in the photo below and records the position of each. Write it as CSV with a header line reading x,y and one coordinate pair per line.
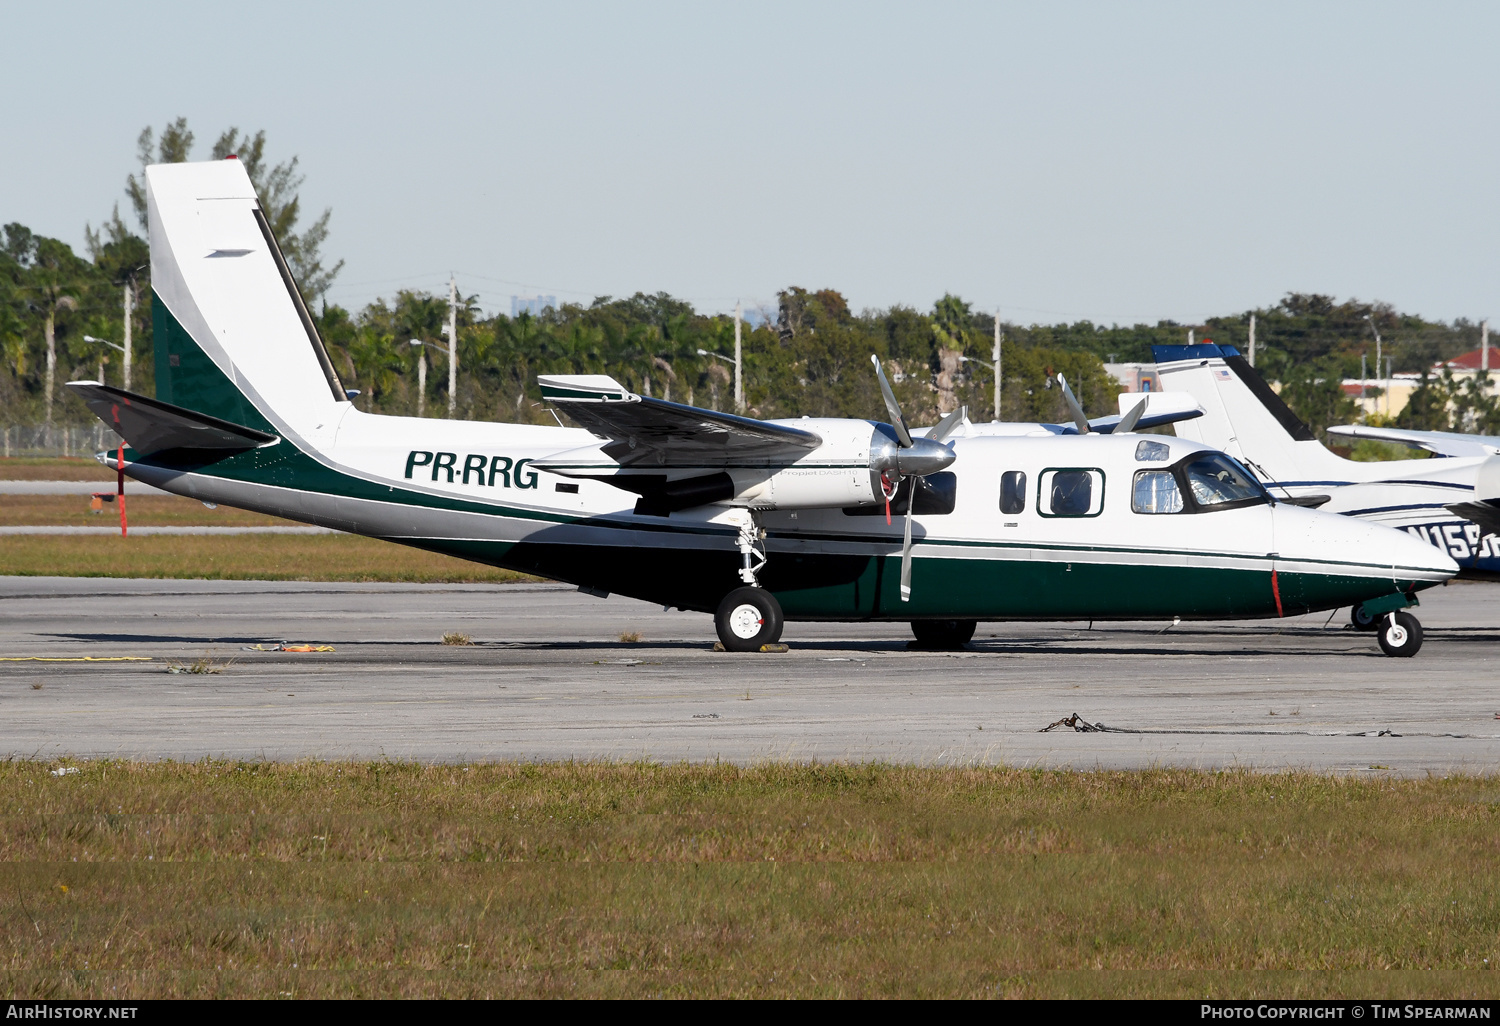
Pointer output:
x,y
1117,162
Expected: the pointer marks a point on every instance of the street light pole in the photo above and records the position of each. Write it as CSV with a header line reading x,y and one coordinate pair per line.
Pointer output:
x,y
998,336
452,332
129,309
1384,384
739,391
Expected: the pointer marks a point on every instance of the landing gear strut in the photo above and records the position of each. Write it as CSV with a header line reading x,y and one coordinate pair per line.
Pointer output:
x,y
749,616
1400,634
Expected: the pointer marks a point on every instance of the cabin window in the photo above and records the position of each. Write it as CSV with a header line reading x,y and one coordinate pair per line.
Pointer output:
x,y
1217,482
1013,491
1147,451
1155,491
1070,492
937,494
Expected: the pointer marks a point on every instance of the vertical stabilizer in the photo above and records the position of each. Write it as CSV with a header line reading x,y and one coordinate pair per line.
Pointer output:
x,y
233,336
1244,417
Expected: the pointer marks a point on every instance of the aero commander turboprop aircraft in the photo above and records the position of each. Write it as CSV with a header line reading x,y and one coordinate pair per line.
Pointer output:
x,y
1453,503
754,521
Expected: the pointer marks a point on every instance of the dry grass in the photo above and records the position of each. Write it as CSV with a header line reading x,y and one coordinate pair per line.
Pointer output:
x,y
455,638
219,879
140,510
73,468
332,557
630,637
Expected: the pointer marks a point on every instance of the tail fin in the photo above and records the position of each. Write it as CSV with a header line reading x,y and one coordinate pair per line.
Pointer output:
x,y
232,334
1243,416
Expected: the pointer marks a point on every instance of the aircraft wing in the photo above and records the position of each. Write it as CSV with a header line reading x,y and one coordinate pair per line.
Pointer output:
x,y
646,432
1443,443
150,425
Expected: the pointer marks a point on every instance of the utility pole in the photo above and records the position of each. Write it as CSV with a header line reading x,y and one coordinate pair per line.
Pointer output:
x,y
129,309
739,390
452,333
1252,340
996,356
1363,377
1190,336
422,382
1484,345
1371,319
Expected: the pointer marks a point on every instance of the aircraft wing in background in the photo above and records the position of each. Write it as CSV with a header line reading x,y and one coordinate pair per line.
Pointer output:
x,y
1443,443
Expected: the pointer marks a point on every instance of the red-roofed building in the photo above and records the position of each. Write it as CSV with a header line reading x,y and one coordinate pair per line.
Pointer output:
x,y
1470,361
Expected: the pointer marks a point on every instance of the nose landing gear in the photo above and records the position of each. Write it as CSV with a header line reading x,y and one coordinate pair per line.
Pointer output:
x,y
1400,634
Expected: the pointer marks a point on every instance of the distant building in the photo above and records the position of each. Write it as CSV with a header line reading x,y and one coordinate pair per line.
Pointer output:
x,y
1134,377
533,305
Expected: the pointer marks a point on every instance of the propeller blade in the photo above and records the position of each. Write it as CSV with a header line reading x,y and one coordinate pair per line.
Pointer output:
x,y
911,501
1073,407
1130,420
947,424
897,421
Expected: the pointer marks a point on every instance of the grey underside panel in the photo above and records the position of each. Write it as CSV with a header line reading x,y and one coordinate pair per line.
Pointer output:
x,y
653,432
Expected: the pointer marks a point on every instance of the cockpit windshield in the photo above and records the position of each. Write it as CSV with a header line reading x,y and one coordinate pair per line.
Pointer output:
x,y
1217,482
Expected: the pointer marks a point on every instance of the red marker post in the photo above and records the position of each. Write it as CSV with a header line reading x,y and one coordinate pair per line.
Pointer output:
x,y
120,487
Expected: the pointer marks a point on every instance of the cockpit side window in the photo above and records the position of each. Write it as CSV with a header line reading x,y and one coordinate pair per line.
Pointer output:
x,y
1215,482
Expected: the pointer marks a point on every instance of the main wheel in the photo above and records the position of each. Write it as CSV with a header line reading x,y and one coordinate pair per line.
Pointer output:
x,y
943,633
1400,635
1362,620
747,619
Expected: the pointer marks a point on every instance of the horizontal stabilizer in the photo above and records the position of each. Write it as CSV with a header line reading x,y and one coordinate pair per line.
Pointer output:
x,y
1164,408
150,425
588,388
646,432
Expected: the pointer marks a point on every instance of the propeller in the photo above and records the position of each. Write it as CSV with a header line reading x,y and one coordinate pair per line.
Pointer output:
x,y
1073,406
1130,420
914,458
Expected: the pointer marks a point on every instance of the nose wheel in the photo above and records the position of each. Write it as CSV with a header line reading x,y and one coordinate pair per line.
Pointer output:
x,y
1400,634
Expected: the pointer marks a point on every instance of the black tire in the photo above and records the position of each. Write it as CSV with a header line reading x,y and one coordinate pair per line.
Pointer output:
x,y
735,618
1400,635
1364,621
943,633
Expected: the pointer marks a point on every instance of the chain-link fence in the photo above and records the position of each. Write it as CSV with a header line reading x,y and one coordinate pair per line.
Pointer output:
x,y
56,440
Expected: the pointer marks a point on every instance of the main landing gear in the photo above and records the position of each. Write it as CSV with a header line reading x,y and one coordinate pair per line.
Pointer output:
x,y
749,616
943,633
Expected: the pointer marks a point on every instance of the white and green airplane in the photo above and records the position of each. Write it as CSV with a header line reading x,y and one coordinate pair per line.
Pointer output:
x,y
757,522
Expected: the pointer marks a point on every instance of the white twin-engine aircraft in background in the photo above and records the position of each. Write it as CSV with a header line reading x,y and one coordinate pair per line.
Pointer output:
x,y
1452,503
756,522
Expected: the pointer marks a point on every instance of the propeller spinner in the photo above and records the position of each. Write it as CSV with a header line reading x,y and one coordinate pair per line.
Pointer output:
x,y
912,457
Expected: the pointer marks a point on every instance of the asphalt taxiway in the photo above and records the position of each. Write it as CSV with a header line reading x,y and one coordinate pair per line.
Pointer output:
x,y
84,672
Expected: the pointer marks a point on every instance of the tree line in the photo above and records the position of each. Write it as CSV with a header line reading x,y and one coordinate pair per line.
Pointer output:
x,y
813,360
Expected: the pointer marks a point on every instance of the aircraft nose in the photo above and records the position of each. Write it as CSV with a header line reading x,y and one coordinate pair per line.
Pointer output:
x,y
1331,538
924,457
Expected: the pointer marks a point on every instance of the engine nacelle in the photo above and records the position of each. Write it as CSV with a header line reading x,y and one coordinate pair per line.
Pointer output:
x,y
836,473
